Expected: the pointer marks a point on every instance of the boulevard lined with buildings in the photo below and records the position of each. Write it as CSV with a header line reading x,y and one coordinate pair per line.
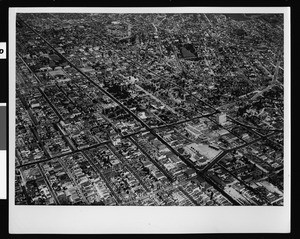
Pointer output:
x,y
149,109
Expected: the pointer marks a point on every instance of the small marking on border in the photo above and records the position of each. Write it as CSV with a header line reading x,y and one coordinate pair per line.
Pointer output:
x,y
2,50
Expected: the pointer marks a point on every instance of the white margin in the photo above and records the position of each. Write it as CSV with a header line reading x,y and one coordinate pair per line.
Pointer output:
x,y
121,219
3,184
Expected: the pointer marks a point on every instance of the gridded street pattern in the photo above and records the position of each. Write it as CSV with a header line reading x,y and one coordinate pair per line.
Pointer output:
x,y
149,109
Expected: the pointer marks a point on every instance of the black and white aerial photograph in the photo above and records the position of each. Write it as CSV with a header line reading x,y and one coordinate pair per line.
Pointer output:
x,y
149,109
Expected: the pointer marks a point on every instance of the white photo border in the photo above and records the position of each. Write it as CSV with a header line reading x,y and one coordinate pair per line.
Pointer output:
x,y
143,219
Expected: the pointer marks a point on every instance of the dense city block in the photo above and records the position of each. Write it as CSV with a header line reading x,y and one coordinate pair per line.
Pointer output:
x,y
149,109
